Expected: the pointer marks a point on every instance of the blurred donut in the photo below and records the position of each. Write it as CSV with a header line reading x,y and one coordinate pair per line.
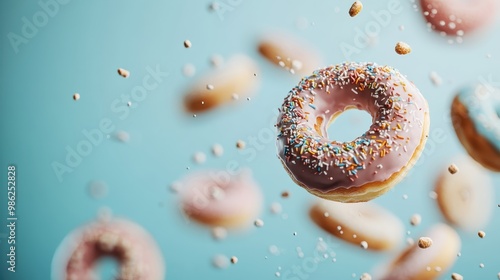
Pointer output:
x,y
416,263
458,17
128,243
466,197
475,112
357,222
237,77
290,53
216,198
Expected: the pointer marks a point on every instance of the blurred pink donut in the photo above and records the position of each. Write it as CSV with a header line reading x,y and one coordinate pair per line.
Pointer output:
x,y
132,247
458,17
214,200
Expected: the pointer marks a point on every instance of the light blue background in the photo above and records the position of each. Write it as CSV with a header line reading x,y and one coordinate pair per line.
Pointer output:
x,y
79,50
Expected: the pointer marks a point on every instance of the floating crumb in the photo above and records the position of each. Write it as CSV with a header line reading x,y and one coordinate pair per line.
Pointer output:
x,y
210,87
76,96
285,194
220,261
276,208
124,73
199,157
402,48
122,136
248,99
235,96
365,276
481,265
481,234
187,44
410,241
424,242
188,70
456,276
452,168
435,78
402,27
415,220
216,60
355,8
97,189
234,260
259,223
219,233
433,195
364,245
175,187
129,104
405,196
240,144
217,150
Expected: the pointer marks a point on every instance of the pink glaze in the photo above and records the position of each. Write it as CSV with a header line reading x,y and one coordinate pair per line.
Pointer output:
x,y
396,105
128,243
457,17
215,197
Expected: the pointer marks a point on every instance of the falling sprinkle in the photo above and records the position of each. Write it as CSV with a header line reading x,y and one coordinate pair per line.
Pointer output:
x,y
188,70
219,233
220,261
452,168
76,96
365,276
259,223
435,78
424,242
217,150
402,48
122,136
285,194
240,144
187,44
124,73
199,157
355,8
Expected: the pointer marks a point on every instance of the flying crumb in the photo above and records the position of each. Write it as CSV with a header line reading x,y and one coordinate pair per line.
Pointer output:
x,y
481,265
365,276
216,60
124,73
415,219
481,234
355,8
435,78
285,194
424,242
76,96
220,261
452,168
456,276
240,144
276,208
199,157
187,44
234,260
259,223
122,136
217,150
364,245
188,70
219,233
210,87
402,48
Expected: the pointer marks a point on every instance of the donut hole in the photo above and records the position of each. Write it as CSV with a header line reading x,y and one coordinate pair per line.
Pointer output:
x,y
107,267
348,125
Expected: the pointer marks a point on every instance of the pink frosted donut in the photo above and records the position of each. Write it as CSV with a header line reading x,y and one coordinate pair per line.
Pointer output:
x,y
134,249
368,166
457,17
215,200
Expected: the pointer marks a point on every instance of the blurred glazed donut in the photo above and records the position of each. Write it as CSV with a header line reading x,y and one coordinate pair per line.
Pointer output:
x,y
466,197
358,222
416,263
475,112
